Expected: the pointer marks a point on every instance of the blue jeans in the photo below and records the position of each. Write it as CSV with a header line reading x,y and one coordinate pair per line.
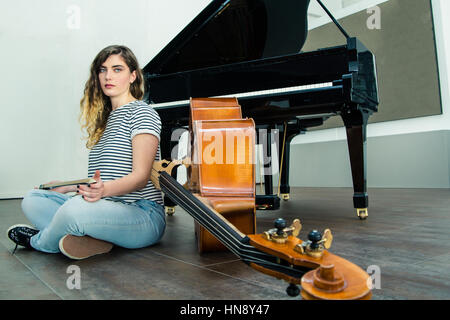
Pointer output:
x,y
55,214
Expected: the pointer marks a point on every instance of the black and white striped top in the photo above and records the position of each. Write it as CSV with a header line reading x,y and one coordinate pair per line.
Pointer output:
x,y
113,156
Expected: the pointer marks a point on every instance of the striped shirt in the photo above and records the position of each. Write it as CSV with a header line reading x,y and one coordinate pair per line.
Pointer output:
x,y
112,154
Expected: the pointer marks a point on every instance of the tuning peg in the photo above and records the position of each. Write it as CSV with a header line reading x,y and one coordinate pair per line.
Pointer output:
x,y
280,233
327,239
314,237
280,224
316,243
296,227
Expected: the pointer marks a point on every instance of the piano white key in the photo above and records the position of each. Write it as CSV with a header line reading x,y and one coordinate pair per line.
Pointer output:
x,y
254,93
280,90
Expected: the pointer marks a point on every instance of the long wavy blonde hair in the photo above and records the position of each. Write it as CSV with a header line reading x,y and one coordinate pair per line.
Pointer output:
x,y
95,105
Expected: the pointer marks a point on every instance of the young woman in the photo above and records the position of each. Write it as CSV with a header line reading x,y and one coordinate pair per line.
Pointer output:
x,y
123,207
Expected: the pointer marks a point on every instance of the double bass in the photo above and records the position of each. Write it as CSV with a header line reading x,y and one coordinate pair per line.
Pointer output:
x,y
222,169
220,196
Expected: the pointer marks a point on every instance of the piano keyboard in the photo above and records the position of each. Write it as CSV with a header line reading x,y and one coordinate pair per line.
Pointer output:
x,y
254,93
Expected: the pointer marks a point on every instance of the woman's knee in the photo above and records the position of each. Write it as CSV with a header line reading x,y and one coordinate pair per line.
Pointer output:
x,y
32,200
33,194
36,196
37,200
69,210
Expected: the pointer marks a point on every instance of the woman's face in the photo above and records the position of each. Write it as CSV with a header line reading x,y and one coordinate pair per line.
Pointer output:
x,y
115,76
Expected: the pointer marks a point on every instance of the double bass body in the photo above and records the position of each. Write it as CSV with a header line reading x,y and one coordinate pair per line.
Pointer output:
x,y
222,171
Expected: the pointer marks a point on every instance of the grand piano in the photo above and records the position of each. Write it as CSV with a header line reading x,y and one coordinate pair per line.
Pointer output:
x,y
252,49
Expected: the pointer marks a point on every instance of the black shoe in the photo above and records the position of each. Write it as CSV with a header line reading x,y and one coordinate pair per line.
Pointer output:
x,y
21,234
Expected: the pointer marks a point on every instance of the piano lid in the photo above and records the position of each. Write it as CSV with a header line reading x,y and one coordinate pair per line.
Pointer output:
x,y
231,31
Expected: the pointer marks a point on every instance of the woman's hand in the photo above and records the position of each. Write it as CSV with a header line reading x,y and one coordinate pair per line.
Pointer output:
x,y
92,192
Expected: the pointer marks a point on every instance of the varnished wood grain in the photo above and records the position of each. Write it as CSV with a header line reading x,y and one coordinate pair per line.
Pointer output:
x,y
226,179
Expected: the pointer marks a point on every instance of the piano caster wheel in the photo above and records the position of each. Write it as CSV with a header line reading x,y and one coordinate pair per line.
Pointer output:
x,y
285,196
169,210
362,213
293,290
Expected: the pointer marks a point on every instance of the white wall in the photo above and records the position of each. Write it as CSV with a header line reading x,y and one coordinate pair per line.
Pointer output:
x,y
45,59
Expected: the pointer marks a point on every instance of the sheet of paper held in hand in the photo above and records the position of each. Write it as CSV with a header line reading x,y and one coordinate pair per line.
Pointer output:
x,y
66,183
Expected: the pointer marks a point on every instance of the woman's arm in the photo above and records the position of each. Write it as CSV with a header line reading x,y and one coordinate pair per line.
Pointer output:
x,y
144,147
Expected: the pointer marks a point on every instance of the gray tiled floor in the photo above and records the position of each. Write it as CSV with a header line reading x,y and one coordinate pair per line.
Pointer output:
x,y
406,235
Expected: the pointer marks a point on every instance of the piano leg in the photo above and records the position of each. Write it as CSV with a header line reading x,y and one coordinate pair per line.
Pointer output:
x,y
293,129
268,200
166,147
356,124
166,143
268,161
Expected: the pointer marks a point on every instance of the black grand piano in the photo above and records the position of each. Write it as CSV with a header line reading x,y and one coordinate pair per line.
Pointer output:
x,y
251,49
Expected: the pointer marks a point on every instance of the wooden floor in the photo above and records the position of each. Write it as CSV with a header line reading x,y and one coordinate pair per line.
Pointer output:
x,y
406,235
